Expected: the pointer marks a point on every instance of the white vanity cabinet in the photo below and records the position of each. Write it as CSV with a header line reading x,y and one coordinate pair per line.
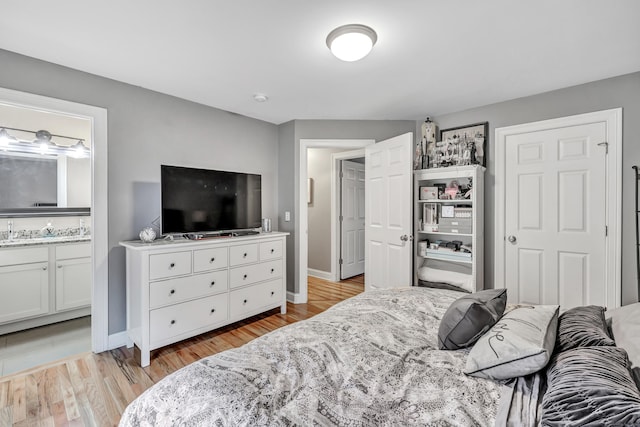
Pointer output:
x,y
73,276
44,283
24,283
176,290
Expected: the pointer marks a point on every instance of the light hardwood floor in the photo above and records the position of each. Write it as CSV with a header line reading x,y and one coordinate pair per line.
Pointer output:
x,y
94,389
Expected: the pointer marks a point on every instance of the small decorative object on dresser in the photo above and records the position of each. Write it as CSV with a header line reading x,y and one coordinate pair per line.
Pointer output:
x,y
147,235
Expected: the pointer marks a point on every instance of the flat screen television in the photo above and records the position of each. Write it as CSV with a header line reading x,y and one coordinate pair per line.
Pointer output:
x,y
203,200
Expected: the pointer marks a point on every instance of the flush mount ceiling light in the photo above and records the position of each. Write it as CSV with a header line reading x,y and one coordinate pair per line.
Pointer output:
x,y
351,42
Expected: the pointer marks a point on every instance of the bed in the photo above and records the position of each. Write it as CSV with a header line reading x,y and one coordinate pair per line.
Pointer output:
x,y
371,360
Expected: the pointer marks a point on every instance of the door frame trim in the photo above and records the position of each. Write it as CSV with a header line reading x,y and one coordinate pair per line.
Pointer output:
x,y
336,205
613,263
99,199
301,241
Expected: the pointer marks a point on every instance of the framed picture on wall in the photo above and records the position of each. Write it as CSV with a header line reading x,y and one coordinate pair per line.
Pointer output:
x,y
462,145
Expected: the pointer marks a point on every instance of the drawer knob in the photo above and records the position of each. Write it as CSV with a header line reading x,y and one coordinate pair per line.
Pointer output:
x,y
272,293
44,268
245,276
245,255
212,260
59,265
172,291
213,282
173,322
213,310
244,302
272,250
173,264
272,270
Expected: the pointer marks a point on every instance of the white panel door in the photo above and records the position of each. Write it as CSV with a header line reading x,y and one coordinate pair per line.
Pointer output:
x,y
352,219
555,216
388,180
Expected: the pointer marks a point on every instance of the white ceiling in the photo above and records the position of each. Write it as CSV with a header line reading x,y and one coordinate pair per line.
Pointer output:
x,y
432,57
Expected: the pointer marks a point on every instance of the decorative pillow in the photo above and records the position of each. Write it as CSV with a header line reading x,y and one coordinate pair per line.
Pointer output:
x,y
590,386
582,327
469,317
521,343
625,327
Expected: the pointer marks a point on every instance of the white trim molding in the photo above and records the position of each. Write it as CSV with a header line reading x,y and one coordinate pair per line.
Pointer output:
x,y
119,339
326,275
613,120
295,298
99,200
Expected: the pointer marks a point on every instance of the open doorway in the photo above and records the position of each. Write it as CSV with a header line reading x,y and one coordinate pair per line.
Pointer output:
x,y
70,262
303,224
335,208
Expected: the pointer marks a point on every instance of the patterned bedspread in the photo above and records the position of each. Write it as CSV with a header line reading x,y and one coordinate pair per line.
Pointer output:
x,y
369,360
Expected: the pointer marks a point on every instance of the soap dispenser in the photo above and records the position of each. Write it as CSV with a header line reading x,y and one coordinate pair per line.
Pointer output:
x,y
48,230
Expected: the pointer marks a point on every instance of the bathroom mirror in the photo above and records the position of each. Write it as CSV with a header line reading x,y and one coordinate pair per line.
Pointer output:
x,y
37,180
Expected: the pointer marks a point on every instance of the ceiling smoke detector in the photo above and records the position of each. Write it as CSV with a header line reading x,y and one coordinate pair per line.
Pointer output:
x,y
259,97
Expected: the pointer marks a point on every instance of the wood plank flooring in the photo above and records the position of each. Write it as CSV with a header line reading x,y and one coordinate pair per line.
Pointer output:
x,y
94,389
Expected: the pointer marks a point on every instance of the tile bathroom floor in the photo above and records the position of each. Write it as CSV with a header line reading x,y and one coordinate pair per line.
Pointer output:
x,y
24,350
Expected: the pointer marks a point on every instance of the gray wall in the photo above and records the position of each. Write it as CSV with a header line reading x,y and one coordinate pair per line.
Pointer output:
x,y
146,129
289,143
623,91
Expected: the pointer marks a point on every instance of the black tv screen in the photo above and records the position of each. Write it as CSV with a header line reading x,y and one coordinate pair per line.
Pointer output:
x,y
202,200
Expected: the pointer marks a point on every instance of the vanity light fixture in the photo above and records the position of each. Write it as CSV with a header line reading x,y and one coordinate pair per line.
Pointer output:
x,y
6,140
42,144
351,42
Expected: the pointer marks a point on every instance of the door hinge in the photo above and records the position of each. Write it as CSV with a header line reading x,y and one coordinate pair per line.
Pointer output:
x,y
606,147
340,261
606,230
341,174
340,218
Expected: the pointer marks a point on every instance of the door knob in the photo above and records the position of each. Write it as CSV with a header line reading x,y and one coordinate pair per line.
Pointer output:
x,y
404,238
512,239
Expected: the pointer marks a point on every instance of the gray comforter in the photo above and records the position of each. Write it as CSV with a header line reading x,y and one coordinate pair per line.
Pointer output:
x,y
370,360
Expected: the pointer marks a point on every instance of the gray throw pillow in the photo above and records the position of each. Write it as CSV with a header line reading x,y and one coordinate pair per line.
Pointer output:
x,y
469,317
521,343
583,326
590,386
625,326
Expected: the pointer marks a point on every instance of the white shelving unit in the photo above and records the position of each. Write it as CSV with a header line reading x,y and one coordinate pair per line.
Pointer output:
x,y
468,230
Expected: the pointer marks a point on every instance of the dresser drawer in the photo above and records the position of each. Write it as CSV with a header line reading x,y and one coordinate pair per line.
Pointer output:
x,y
163,266
209,259
244,254
178,319
240,276
172,291
251,298
271,250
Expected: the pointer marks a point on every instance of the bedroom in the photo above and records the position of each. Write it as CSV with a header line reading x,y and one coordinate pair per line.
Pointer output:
x,y
147,128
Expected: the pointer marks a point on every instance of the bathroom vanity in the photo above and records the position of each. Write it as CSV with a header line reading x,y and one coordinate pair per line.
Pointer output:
x,y
43,281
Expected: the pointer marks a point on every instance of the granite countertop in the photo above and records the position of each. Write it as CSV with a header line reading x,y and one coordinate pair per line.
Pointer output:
x,y
44,240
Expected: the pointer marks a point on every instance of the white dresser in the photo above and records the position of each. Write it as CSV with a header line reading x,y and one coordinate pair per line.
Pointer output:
x,y
179,289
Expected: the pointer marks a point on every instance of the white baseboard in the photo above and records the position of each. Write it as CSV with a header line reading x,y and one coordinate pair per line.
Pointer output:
x,y
326,275
294,298
118,339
